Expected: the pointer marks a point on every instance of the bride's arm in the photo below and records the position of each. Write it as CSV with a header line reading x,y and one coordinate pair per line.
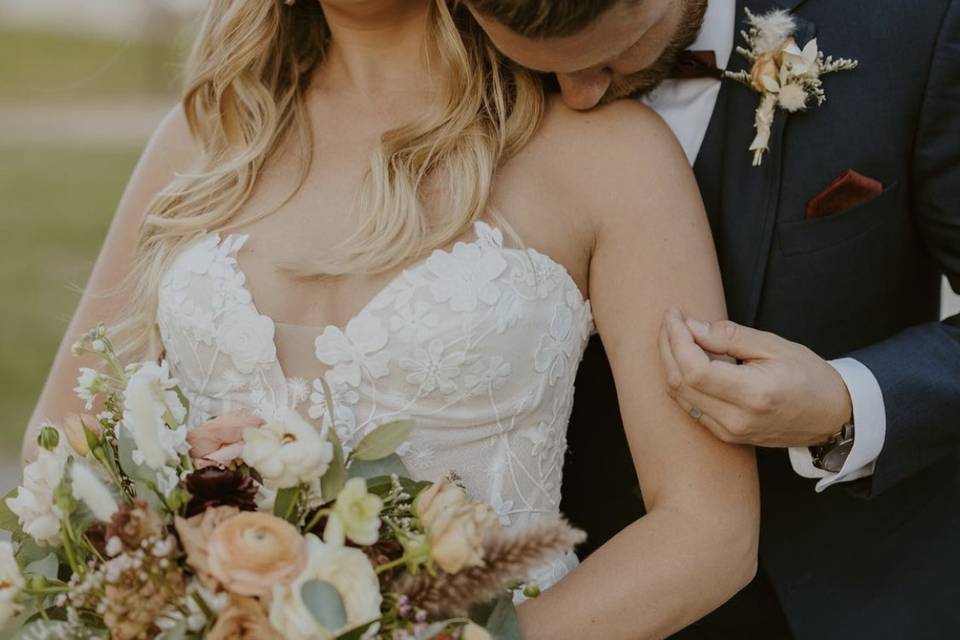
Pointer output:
x,y
170,150
696,547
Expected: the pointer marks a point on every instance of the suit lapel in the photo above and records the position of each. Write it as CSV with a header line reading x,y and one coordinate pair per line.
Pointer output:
x,y
750,195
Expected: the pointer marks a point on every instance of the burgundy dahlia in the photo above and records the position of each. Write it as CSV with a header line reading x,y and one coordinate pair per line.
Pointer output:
x,y
219,486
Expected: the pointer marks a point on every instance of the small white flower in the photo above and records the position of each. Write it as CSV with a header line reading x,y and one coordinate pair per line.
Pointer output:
x,y
350,573
99,346
356,515
432,369
149,402
34,502
11,584
287,453
89,384
91,491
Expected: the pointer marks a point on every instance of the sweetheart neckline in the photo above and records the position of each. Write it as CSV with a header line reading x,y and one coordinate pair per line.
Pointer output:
x,y
320,329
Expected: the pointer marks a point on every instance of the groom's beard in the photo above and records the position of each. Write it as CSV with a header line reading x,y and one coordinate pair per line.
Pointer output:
x,y
647,79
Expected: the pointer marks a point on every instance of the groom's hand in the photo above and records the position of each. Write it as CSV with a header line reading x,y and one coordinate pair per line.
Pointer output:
x,y
780,394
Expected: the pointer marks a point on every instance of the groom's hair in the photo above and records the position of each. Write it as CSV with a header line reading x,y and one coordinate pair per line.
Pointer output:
x,y
544,18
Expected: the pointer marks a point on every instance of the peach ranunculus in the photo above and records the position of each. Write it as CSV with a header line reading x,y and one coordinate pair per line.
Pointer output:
x,y
220,441
195,535
243,619
458,529
251,552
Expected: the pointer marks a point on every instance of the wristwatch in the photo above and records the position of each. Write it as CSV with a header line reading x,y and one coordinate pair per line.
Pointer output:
x,y
832,454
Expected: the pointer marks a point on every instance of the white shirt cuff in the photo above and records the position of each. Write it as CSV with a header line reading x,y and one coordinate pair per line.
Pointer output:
x,y
870,418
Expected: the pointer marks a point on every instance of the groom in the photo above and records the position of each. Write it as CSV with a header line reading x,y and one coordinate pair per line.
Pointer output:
x,y
832,252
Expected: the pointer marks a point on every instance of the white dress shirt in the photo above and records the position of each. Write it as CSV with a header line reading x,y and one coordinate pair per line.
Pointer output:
x,y
686,106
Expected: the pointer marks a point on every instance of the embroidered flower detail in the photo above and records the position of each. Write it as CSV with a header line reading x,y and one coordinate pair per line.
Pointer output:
x,y
413,321
552,357
466,276
432,369
354,351
344,398
247,337
490,373
784,75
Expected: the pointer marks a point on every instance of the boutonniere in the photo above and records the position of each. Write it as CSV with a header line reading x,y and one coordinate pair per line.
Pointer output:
x,y
786,76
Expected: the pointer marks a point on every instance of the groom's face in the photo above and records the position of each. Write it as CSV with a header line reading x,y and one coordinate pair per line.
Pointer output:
x,y
629,48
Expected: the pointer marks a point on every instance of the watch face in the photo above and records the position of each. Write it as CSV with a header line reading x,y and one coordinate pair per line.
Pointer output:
x,y
834,459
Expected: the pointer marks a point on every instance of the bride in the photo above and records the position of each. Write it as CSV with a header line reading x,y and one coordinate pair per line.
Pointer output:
x,y
365,191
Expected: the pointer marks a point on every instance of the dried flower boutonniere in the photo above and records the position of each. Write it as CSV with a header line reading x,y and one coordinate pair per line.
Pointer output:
x,y
785,76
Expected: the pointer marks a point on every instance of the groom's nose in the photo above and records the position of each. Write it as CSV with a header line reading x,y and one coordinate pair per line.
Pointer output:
x,y
584,89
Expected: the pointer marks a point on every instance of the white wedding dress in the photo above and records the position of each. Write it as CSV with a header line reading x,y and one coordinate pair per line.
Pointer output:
x,y
479,345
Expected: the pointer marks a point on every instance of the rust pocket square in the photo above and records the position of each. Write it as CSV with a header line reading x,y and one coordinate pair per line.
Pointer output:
x,y
850,190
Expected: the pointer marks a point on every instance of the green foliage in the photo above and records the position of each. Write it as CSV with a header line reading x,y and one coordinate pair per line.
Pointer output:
x,y
383,441
390,465
287,504
499,618
336,476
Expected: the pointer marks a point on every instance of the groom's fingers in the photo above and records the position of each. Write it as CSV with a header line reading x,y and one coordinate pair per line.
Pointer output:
x,y
731,339
695,367
709,412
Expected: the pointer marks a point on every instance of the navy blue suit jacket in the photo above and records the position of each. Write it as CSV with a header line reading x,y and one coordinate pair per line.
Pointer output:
x,y
879,558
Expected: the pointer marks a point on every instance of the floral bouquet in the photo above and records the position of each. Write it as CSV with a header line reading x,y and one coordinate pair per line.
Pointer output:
x,y
132,526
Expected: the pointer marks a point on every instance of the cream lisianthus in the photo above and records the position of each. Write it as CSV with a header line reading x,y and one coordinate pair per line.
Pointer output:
x,y
349,571
150,401
287,453
356,515
88,489
11,583
34,503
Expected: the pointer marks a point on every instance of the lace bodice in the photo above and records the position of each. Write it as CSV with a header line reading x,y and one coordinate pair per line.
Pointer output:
x,y
479,345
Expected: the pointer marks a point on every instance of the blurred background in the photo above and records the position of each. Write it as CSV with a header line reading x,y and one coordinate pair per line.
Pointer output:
x,y
82,85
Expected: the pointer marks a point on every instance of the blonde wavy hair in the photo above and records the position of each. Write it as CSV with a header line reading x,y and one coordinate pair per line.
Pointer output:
x,y
250,70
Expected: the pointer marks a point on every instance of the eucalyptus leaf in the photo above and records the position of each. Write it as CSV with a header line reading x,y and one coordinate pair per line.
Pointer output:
x,y
48,567
29,552
324,603
388,466
499,618
285,505
332,482
8,519
384,440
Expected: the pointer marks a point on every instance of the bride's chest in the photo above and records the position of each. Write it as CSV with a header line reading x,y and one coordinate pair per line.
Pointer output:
x,y
459,327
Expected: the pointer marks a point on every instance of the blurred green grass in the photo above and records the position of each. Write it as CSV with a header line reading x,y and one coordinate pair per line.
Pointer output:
x,y
56,205
56,201
46,67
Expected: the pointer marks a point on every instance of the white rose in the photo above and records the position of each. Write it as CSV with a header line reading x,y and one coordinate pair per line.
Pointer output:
x,y
288,452
34,502
350,573
148,401
88,489
11,583
356,515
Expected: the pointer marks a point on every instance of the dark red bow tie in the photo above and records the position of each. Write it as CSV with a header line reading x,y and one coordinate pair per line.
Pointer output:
x,y
696,64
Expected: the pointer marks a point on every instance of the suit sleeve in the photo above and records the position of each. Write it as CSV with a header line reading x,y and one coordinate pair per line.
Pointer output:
x,y
919,369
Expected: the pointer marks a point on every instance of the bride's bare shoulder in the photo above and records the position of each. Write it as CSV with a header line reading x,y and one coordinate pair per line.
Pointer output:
x,y
612,158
